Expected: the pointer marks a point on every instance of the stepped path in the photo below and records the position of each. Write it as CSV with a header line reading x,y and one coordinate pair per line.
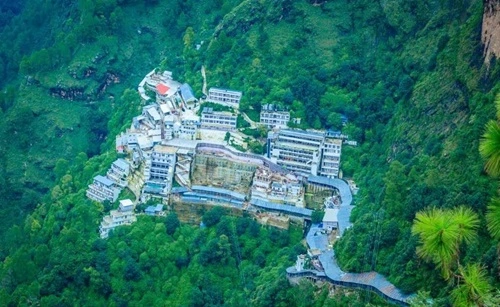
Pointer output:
x,y
318,240
204,75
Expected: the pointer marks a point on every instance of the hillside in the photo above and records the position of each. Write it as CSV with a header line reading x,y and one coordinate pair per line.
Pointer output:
x,y
409,76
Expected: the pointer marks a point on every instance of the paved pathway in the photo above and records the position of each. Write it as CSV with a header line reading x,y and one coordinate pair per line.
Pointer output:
x,y
318,240
250,121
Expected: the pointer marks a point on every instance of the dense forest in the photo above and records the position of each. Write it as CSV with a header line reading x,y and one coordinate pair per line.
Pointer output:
x,y
408,75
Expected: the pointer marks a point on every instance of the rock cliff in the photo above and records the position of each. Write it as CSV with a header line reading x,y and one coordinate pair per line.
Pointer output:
x,y
490,33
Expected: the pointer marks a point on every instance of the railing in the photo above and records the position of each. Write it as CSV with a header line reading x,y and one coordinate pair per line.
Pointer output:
x,y
347,284
274,167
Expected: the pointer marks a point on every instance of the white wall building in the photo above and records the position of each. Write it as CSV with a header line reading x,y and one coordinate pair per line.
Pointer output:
x,y
224,96
218,120
305,152
118,172
330,158
159,170
102,189
271,117
330,220
123,216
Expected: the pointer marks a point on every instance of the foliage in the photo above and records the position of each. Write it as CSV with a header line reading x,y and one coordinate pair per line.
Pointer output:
x,y
441,233
317,216
407,74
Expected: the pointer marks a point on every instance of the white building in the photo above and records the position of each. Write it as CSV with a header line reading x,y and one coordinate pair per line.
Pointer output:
x,y
272,117
330,158
159,170
189,127
118,172
330,220
305,152
123,216
224,96
296,150
218,120
102,189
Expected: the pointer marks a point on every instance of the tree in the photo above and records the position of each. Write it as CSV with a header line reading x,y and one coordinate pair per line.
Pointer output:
x,y
213,216
489,145
172,223
474,288
317,216
441,233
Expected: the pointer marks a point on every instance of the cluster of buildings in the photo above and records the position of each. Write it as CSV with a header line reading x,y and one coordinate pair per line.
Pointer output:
x,y
168,160
277,187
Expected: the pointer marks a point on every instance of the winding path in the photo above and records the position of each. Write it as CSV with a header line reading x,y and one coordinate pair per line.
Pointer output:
x,y
204,75
372,281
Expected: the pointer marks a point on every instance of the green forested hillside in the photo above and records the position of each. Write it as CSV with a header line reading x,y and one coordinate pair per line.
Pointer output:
x,y
409,76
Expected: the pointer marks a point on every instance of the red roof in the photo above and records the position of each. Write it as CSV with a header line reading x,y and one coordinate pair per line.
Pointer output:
x,y
162,89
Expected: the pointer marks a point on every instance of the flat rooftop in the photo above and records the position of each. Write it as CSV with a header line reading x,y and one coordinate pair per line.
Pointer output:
x,y
165,149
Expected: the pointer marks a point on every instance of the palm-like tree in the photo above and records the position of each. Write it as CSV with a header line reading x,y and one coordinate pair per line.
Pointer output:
x,y
474,288
441,233
493,218
438,238
493,222
489,145
467,221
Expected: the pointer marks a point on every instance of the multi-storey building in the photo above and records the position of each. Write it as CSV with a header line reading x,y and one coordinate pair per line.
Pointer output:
x,y
330,157
123,216
118,172
223,96
296,150
211,119
305,152
102,189
159,170
273,117
189,127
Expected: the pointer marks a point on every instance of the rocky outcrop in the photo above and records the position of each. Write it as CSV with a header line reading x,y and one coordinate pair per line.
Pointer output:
x,y
490,34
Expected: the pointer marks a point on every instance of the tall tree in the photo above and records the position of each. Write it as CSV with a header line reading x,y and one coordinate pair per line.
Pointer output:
x,y
441,233
489,146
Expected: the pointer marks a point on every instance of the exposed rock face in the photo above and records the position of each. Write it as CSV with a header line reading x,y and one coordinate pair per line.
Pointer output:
x,y
490,35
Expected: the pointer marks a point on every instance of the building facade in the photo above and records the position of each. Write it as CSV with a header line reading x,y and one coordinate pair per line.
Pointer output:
x,y
159,170
123,216
102,189
118,172
272,117
211,119
224,96
305,152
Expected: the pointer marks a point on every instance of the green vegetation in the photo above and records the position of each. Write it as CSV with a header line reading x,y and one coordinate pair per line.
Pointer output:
x,y
408,75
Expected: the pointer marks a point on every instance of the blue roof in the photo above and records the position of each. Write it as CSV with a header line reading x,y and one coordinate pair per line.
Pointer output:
x,y
150,209
103,180
286,208
154,187
154,209
179,190
218,191
302,133
224,89
187,92
121,163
